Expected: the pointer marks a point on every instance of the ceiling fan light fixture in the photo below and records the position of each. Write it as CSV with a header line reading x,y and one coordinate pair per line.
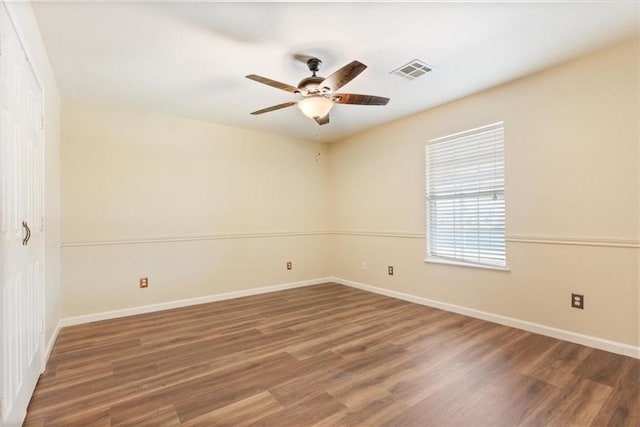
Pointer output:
x,y
315,106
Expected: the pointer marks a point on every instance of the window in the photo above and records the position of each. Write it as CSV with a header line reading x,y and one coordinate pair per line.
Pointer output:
x,y
465,197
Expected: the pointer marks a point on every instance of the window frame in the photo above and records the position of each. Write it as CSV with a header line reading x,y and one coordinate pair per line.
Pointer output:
x,y
438,259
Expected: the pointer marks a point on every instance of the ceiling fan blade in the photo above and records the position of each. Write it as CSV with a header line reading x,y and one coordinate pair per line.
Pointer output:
x,y
275,107
353,98
343,76
322,120
303,58
273,83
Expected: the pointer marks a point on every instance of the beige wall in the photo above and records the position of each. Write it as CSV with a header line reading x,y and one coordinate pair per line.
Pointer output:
x,y
571,152
224,209
22,14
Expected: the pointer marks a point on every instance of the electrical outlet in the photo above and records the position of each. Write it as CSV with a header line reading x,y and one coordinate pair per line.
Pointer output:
x,y
391,270
364,265
144,282
289,265
577,301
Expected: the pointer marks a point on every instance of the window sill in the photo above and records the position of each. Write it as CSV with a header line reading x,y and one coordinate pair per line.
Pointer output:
x,y
465,264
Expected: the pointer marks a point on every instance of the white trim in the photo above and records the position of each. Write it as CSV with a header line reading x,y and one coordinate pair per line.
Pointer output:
x,y
399,234
575,241
511,238
435,260
217,236
51,247
50,345
595,342
77,320
23,44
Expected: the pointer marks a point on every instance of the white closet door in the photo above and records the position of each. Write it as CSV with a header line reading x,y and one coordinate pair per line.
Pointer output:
x,y
21,221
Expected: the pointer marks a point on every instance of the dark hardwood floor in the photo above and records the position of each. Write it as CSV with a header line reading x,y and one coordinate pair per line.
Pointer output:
x,y
327,355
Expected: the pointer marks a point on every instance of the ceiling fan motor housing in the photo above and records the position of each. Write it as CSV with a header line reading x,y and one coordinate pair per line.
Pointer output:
x,y
310,84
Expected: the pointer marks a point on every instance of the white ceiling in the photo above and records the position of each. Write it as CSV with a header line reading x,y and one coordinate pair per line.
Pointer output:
x,y
189,59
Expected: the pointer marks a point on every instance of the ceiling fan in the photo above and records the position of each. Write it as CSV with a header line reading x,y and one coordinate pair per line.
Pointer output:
x,y
319,92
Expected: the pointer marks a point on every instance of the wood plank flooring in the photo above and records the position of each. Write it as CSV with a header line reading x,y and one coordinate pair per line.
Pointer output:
x,y
326,355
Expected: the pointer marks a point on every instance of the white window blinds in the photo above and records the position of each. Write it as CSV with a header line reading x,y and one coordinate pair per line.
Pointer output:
x,y
465,197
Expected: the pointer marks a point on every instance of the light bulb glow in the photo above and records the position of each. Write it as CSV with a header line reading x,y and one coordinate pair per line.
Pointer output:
x,y
315,106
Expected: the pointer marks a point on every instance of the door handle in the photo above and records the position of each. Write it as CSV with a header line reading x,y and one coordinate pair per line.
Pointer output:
x,y
27,235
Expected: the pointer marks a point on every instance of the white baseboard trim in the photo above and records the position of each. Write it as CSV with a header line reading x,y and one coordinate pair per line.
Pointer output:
x,y
50,344
589,341
77,320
